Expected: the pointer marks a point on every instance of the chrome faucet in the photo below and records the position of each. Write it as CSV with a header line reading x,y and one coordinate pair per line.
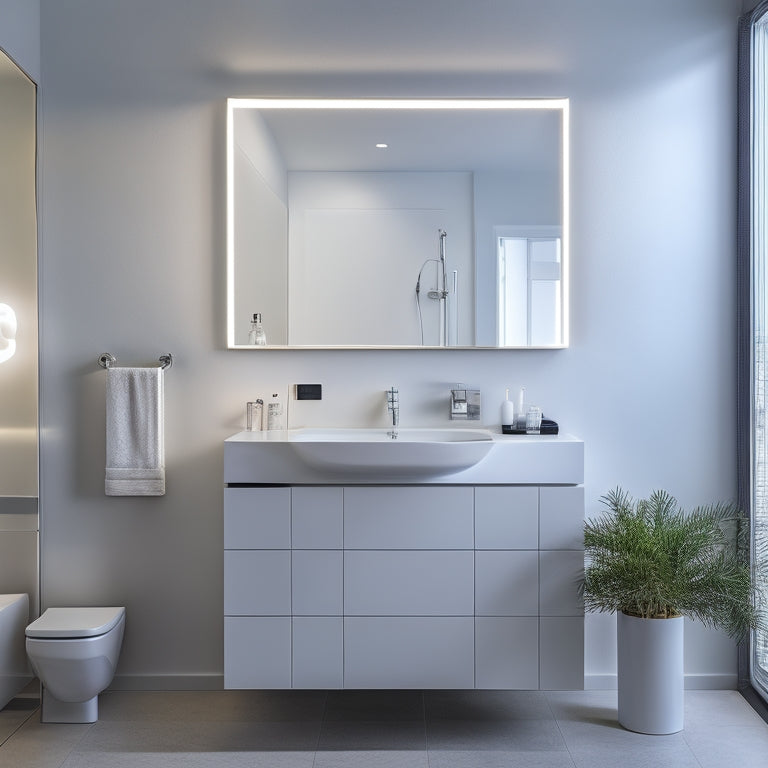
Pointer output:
x,y
465,403
393,406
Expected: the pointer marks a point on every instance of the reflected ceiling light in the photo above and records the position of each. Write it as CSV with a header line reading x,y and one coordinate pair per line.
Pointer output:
x,y
7,332
382,146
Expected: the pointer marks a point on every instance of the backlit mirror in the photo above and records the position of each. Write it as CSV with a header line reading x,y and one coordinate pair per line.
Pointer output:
x,y
397,223
18,334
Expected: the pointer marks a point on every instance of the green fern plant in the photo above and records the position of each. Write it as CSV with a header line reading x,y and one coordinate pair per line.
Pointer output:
x,y
651,559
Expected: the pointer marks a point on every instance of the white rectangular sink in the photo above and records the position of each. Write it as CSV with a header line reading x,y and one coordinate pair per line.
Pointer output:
x,y
400,452
428,455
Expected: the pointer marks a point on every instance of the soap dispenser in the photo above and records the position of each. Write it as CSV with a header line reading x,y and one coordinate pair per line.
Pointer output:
x,y
256,334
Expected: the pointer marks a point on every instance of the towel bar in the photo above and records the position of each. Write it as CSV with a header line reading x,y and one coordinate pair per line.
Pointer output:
x,y
107,359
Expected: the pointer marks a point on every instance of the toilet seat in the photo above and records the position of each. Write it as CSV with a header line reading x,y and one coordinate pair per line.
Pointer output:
x,y
72,623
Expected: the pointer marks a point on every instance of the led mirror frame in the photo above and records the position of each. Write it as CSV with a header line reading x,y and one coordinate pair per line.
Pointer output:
x,y
502,104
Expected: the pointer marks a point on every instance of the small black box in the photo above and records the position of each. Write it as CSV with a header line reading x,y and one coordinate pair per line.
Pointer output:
x,y
309,391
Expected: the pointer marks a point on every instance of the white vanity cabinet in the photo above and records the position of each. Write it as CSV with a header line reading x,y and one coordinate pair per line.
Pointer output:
x,y
403,586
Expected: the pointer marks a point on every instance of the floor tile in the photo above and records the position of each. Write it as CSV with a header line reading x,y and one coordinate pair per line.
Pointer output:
x,y
373,706
200,737
499,735
42,745
493,759
372,759
704,709
486,705
362,736
745,746
678,756
212,706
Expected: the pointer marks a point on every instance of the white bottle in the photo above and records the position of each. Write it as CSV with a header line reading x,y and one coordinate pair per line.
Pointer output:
x,y
507,414
256,334
275,413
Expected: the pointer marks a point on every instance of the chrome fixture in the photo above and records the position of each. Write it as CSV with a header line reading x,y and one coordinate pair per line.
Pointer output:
x,y
393,407
107,360
465,403
440,293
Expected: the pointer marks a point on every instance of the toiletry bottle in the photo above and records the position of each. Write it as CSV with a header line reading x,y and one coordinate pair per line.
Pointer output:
x,y
254,415
275,413
520,424
256,335
507,415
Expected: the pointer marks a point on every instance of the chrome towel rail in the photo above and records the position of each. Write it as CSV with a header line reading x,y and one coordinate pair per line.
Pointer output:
x,y
107,360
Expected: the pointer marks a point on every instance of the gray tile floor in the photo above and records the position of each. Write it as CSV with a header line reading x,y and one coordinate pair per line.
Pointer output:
x,y
381,729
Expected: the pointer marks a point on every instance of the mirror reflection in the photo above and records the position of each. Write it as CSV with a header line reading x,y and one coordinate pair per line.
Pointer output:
x,y
18,335
380,223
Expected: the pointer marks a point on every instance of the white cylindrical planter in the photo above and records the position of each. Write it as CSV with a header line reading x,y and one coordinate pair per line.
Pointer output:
x,y
651,675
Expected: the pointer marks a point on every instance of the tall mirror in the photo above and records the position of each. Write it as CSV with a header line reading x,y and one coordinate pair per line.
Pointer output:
x,y
397,223
18,334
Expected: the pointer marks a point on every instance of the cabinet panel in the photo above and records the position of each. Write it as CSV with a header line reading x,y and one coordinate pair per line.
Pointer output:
x,y
506,517
402,652
318,652
317,583
257,518
410,583
414,517
257,583
561,517
507,652
561,653
507,583
559,576
257,652
317,517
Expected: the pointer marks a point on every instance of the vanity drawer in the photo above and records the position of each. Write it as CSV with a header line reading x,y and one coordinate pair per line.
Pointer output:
x,y
317,582
409,652
318,652
507,583
561,517
257,518
257,652
507,652
317,517
506,517
415,517
408,583
257,583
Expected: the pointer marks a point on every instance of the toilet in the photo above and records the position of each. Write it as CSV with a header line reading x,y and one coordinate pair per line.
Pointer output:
x,y
74,653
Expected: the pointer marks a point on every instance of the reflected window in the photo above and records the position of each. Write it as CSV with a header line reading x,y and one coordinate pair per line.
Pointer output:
x,y
530,291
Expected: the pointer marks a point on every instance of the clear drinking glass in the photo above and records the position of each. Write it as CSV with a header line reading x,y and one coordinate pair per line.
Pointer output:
x,y
533,421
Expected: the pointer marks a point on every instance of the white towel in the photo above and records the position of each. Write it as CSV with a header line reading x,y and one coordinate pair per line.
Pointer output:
x,y
135,444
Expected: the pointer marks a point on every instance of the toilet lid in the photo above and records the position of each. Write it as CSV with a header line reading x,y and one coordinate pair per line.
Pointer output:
x,y
75,622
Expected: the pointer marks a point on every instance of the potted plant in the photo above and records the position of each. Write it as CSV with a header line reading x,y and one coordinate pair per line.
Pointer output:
x,y
652,564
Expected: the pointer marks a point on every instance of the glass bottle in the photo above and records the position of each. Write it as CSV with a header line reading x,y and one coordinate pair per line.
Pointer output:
x,y
256,334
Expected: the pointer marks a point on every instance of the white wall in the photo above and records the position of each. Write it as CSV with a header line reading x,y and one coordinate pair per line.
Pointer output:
x,y
133,263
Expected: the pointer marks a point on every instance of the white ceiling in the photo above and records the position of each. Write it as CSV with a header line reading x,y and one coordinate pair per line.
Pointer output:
x,y
426,140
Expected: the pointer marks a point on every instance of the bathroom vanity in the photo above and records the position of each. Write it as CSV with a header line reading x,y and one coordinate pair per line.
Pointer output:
x,y
383,576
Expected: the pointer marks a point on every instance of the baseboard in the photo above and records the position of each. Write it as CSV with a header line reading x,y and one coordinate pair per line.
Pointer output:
x,y
709,682
167,683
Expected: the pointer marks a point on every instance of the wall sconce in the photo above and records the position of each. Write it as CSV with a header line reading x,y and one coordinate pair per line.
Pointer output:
x,y
7,332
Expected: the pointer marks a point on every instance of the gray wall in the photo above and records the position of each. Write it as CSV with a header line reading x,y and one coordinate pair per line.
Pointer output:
x,y
132,152
20,34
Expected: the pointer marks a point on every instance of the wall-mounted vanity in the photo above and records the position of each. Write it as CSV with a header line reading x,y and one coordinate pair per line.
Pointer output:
x,y
398,223
383,577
